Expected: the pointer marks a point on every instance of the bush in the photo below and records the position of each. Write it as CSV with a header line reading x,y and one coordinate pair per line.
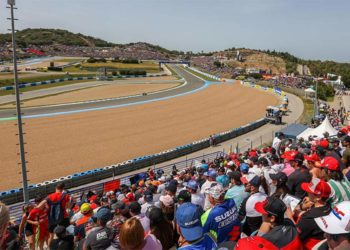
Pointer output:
x,y
256,76
324,91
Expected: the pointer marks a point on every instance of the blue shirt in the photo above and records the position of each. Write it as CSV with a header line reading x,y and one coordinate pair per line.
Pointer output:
x,y
205,243
222,221
237,193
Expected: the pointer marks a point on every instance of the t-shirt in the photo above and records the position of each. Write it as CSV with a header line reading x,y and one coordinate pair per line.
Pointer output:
x,y
205,243
55,197
288,169
205,186
276,142
99,239
295,180
152,243
346,157
340,191
145,222
65,243
222,221
198,199
237,193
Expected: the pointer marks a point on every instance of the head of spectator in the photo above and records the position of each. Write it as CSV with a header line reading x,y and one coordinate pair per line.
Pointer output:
x,y
4,222
119,208
192,186
222,178
86,209
332,168
167,206
183,197
235,178
102,216
263,162
336,226
188,223
171,189
244,167
161,228
318,191
134,208
215,194
132,234
280,181
60,232
272,210
211,175
251,183
346,141
148,196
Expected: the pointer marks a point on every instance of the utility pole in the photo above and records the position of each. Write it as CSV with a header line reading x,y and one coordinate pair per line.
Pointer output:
x,y
11,4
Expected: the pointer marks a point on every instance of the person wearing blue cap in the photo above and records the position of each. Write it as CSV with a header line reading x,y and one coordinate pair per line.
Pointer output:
x,y
211,180
196,198
101,237
188,226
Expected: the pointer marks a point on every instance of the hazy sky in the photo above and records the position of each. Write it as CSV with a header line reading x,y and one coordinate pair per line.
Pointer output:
x,y
311,29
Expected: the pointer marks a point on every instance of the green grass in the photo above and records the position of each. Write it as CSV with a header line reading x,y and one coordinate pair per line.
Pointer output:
x,y
200,75
46,86
308,112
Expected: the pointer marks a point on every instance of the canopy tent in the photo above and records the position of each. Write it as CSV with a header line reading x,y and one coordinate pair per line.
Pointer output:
x,y
292,130
325,126
309,92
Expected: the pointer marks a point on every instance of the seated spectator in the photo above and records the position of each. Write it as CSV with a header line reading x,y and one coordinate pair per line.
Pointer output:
x,y
336,227
222,178
318,192
188,226
222,219
135,211
100,237
167,206
62,240
117,221
253,219
275,228
148,201
161,228
4,222
196,198
132,236
211,179
237,191
79,230
279,180
183,197
25,227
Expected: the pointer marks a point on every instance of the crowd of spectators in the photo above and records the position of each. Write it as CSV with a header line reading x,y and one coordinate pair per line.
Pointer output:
x,y
289,82
290,195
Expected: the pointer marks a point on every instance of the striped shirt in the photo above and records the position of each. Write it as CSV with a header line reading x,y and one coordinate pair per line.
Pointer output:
x,y
340,191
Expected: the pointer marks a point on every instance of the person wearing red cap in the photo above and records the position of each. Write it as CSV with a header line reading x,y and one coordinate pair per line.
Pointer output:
x,y
318,193
313,164
255,243
339,184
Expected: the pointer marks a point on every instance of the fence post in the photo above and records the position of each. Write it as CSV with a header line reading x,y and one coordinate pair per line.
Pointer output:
x,y
186,161
231,148
251,144
237,149
261,140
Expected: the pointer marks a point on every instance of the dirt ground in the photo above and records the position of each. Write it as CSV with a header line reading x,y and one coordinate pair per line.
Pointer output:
x,y
62,145
112,90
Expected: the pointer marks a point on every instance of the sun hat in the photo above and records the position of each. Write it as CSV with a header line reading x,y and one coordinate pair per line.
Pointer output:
x,y
338,221
317,187
188,218
167,200
215,191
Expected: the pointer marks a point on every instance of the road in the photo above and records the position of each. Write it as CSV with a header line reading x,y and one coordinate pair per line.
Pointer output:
x,y
193,83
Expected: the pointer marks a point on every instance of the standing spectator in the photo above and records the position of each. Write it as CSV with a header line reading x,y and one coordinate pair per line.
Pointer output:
x,y
26,227
281,232
196,198
63,241
132,236
336,226
339,184
57,202
253,219
277,141
222,219
161,228
183,197
237,191
148,199
346,153
100,237
188,226
167,206
135,211
318,191
300,175
4,221
211,180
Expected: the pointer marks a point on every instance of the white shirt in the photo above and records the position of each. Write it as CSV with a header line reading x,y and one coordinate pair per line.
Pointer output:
x,y
276,142
207,184
145,206
198,199
250,205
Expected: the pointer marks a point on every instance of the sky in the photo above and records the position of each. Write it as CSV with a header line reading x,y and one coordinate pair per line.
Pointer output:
x,y
310,29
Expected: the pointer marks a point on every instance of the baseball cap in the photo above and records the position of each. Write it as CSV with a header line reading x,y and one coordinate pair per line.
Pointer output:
x,y
289,155
184,196
255,243
346,138
103,214
85,208
211,173
252,179
188,218
192,184
324,143
272,205
167,200
317,187
314,157
280,177
244,167
171,187
135,207
330,163
338,221
148,195
59,230
118,205
215,191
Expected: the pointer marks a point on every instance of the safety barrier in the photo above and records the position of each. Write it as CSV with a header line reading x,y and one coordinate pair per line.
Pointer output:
x,y
78,179
216,78
16,212
274,90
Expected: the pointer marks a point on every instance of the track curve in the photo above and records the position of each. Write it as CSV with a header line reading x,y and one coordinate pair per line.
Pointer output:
x,y
193,83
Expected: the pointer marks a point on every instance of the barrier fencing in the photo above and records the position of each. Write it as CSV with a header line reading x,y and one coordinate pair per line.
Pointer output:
x,y
16,210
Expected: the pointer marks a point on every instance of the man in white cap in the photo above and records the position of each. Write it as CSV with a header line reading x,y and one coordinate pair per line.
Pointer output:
x,y
336,226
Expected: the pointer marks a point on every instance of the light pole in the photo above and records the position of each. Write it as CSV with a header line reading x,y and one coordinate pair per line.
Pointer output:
x,y
11,4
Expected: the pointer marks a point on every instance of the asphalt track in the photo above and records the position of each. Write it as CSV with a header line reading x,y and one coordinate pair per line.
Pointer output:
x,y
193,83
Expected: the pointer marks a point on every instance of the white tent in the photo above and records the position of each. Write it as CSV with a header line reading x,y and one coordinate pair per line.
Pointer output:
x,y
325,126
309,92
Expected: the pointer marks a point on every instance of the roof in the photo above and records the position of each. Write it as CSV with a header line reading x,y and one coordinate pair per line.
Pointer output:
x,y
293,130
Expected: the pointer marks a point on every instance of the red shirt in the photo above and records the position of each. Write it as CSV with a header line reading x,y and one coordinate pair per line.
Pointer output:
x,y
55,197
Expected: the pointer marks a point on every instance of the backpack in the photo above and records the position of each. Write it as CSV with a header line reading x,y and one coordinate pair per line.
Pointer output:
x,y
56,213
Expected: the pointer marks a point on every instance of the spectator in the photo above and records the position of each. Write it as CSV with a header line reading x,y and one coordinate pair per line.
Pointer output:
x,y
279,180
274,228
79,229
222,219
255,242
211,180
63,241
135,211
161,228
336,226
167,206
4,220
196,198
101,236
318,192
183,197
222,178
148,199
25,227
188,226
346,153
237,191
132,236
116,223
313,164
